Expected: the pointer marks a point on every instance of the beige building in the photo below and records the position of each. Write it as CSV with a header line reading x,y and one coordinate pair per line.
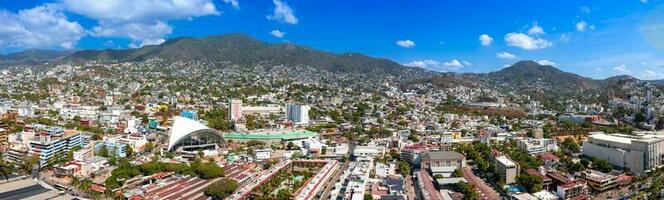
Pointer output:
x,y
506,169
443,162
599,181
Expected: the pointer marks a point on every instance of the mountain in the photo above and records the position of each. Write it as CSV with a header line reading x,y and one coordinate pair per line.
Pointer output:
x,y
33,56
244,50
529,75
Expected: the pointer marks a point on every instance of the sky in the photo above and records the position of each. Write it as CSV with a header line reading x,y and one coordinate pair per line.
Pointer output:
x,y
593,38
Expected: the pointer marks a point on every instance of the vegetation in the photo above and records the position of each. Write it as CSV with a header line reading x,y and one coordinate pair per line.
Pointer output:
x,y
403,167
602,165
217,118
126,171
468,190
532,183
221,189
570,145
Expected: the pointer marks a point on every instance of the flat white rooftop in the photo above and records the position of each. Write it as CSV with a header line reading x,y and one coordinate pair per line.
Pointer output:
x,y
623,138
505,161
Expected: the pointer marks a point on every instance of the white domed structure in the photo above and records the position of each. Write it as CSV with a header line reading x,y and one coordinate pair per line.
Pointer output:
x,y
189,133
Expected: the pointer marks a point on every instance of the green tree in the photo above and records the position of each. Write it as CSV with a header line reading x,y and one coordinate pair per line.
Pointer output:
x,y
297,155
413,137
457,173
130,151
6,168
531,182
602,165
221,189
28,164
570,145
468,190
368,196
103,151
149,147
404,167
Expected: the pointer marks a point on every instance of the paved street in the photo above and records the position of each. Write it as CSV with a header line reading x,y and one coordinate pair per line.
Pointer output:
x,y
485,190
410,187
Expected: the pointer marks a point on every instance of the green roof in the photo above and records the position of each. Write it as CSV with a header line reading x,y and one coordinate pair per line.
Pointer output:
x,y
284,135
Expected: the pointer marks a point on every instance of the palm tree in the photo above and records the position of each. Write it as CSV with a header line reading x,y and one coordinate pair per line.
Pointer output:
x,y
6,169
27,165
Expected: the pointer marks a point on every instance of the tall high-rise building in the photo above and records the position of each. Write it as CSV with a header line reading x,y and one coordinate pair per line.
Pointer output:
x,y
235,109
649,96
297,113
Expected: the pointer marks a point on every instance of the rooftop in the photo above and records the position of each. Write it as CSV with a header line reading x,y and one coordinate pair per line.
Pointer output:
x,y
442,155
505,161
624,138
267,135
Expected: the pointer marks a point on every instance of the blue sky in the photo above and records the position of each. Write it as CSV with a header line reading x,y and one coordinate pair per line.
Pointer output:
x,y
592,38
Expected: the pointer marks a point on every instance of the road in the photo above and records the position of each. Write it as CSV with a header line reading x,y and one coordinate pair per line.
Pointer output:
x,y
409,185
485,190
330,184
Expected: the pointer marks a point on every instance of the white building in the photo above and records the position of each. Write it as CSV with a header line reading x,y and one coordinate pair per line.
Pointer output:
x,y
298,114
263,154
367,151
537,146
638,153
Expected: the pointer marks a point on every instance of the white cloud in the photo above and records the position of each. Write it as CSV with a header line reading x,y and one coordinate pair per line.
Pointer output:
x,y
405,43
146,11
585,9
277,33
547,62
644,1
452,65
622,69
535,30
485,40
233,3
599,69
583,26
427,64
282,13
526,42
141,34
565,37
505,55
43,26
142,21
650,74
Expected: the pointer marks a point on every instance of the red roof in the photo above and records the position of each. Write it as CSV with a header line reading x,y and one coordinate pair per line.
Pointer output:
x,y
549,156
98,188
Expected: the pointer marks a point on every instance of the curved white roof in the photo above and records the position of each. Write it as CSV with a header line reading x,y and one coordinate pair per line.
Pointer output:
x,y
182,127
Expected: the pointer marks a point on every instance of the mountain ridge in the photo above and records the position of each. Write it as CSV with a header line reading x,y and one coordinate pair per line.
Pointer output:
x,y
242,49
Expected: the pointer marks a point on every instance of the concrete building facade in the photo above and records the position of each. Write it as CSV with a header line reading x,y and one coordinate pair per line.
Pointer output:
x,y
638,153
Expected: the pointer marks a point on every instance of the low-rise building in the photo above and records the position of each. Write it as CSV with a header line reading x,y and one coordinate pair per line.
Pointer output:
x,y
573,189
598,181
263,154
537,146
